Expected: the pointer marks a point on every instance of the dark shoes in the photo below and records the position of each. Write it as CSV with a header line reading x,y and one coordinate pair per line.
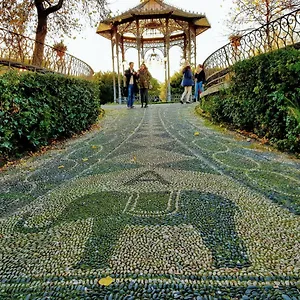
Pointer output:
x,y
181,101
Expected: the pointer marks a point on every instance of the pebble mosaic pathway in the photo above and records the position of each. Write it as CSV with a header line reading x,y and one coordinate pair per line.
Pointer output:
x,y
158,205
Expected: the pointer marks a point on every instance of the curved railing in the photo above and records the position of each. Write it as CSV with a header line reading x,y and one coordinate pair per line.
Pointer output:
x,y
283,32
17,51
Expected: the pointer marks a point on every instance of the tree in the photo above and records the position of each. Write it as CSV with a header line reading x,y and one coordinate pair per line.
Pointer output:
x,y
55,15
254,12
155,87
67,19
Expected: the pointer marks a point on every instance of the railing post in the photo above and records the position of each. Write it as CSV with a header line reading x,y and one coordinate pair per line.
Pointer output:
x,y
70,65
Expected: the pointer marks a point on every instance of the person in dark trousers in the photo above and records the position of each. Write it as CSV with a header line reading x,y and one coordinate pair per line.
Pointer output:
x,y
199,77
187,83
144,82
131,84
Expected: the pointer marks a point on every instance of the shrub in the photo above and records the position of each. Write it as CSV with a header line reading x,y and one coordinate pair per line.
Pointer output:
x,y
175,82
35,108
155,91
263,97
104,81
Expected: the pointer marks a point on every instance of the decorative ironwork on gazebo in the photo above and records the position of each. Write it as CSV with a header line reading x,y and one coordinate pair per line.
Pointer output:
x,y
153,24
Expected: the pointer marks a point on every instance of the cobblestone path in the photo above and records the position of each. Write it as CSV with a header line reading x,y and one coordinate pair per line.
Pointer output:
x,y
158,206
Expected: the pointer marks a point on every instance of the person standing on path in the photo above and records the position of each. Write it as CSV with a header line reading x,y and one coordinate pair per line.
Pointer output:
x,y
199,81
187,83
131,84
144,82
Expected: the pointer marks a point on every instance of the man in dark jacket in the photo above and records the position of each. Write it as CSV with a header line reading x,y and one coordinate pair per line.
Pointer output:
x,y
131,84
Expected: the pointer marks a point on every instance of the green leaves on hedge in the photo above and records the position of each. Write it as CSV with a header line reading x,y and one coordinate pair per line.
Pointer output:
x,y
35,108
264,97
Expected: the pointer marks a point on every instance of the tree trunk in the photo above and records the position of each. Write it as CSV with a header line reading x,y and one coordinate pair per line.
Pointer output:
x,y
40,37
268,16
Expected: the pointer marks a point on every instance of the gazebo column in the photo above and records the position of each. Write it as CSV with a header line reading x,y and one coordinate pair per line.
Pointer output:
x,y
118,66
113,40
169,72
189,48
185,46
165,61
123,61
195,47
123,53
138,41
168,60
143,50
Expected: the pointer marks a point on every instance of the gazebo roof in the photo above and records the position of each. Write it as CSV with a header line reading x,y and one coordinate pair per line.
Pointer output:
x,y
149,9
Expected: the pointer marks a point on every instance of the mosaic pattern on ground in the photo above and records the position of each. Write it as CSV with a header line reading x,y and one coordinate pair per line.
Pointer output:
x,y
164,212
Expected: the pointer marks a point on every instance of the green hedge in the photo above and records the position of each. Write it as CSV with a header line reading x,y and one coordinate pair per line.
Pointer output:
x,y
175,83
35,108
104,81
263,97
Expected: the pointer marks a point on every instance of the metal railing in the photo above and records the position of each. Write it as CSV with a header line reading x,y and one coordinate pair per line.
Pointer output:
x,y
281,33
17,51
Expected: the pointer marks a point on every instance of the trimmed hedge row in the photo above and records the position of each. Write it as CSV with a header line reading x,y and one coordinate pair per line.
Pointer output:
x,y
35,108
263,97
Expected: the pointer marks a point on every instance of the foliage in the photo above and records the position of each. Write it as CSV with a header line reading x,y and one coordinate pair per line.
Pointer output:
x,y
263,98
175,82
163,92
36,108
104,81
155,90
60,46
261,12
15,15
294,110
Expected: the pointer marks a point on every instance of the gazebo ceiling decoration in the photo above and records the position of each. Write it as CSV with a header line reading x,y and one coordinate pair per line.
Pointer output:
x,y
154,24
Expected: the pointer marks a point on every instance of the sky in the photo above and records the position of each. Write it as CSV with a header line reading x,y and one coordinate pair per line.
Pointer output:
x,y
95,50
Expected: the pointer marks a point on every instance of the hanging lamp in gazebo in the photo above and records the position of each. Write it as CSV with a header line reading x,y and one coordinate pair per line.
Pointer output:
x,y
152,24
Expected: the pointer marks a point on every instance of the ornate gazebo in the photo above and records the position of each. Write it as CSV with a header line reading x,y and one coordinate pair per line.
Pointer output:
x,y
153,24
